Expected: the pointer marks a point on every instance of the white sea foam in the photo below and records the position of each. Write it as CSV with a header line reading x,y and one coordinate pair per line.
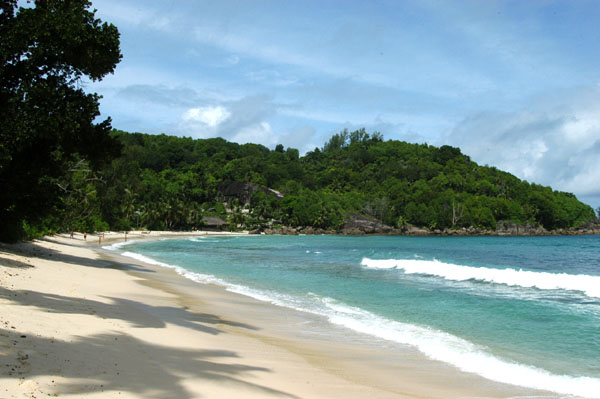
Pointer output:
x,y
118,245
198,277
145,259
261,295
463,354
436,345
590,285
203,239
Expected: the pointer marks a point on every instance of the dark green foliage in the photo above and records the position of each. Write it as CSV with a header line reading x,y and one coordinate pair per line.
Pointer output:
x,y
309,208
56,174
165,182
344,139
47,120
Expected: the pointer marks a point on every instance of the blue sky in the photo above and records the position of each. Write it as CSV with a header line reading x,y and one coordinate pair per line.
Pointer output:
x,y
514,84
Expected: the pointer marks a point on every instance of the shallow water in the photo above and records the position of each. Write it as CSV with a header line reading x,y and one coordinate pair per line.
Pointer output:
x,y
520,310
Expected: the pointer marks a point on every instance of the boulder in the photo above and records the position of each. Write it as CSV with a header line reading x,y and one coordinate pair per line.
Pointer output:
x,y
242,191
361,224
526,229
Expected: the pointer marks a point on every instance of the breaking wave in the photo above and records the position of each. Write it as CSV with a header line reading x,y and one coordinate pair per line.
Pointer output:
x,y
590,285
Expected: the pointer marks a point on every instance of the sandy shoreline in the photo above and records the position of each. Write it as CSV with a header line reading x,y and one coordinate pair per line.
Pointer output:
x,y
76,322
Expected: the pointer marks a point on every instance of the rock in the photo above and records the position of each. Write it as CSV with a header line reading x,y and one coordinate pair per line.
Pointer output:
x,y
308,230
361,224
242,191
511,228
414,230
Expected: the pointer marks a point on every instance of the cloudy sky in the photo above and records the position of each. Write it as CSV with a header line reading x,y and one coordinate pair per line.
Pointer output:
x,y
514,84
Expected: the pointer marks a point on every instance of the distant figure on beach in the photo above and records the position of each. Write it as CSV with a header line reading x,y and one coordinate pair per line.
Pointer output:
x,y
125,236
72,233
85,235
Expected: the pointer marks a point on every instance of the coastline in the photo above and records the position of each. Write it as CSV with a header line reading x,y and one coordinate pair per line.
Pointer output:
x,y
377,228
78,321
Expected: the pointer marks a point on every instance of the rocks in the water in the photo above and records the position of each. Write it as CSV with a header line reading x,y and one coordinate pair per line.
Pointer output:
x,y
514,229
364,225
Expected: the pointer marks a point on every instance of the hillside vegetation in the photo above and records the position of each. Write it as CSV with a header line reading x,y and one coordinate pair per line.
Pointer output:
x,y
165,182
63,169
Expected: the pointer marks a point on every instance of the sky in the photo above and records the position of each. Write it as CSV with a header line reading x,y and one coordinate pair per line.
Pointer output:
x,y
514,84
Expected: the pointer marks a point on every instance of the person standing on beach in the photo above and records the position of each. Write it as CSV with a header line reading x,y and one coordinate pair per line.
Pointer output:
x,y
85,235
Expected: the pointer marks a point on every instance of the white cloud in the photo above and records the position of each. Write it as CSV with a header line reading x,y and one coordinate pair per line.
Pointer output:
x,y
555,141
302,138
247,120
210,116
243,120
257,133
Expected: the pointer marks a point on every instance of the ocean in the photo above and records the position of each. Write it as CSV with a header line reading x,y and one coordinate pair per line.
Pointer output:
x,y
518,310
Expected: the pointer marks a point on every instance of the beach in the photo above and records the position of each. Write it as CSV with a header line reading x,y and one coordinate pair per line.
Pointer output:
x,y
79,321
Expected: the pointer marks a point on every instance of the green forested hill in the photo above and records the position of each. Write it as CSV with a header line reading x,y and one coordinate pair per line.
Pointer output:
x,y
61,169
166,182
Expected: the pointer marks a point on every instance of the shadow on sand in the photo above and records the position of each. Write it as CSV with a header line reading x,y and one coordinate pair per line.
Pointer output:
x,y
139,314
13,263
104,363
31,250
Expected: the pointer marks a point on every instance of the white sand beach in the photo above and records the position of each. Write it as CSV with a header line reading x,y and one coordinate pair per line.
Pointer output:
x,y
76,321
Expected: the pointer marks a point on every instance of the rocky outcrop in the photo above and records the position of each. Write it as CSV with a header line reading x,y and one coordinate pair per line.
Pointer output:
x,y
586,228
286,230
239,190
411,230
364,225
530,229
355,225
514,229
360,224
242,191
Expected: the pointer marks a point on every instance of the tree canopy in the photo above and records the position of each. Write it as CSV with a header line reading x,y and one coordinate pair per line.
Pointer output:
x,y
60,169
47,123
165,182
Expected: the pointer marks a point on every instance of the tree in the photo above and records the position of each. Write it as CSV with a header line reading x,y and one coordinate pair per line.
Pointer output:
x,y
457,212
47,119
359,136
337,142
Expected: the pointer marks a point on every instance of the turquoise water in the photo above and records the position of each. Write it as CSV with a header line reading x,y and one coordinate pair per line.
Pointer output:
x,y
520,310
